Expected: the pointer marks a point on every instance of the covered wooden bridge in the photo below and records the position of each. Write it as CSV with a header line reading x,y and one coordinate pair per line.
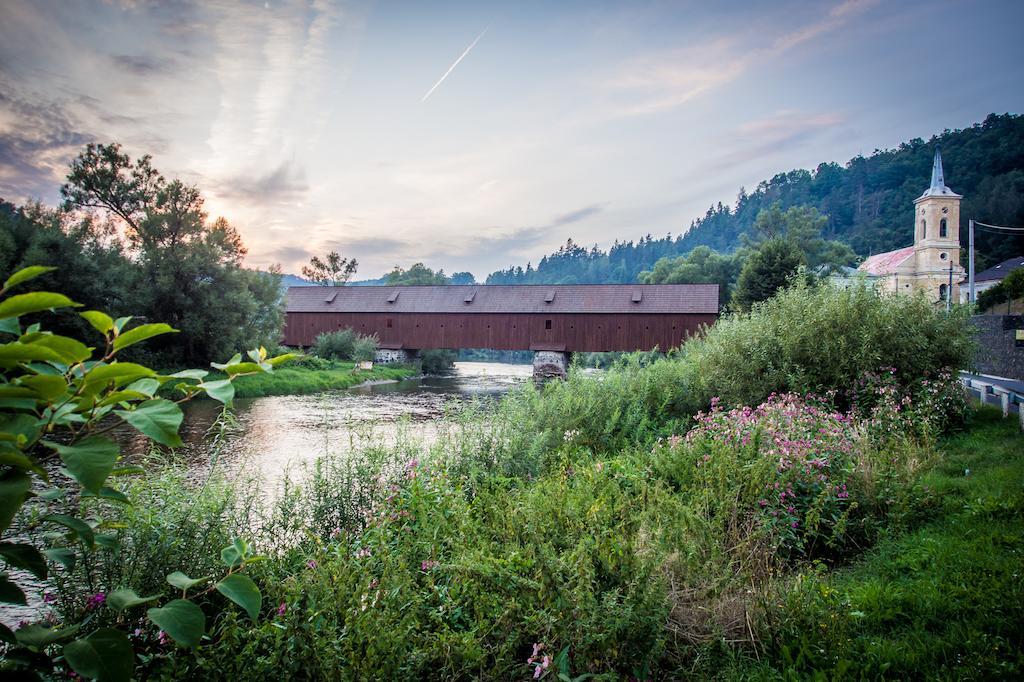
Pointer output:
x,y
553,321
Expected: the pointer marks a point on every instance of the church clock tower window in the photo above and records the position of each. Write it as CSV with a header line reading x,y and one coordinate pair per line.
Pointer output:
x,y
924,230
942,228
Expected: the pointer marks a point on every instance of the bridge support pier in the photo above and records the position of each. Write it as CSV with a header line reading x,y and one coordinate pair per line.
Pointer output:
x,y
392,356
550,364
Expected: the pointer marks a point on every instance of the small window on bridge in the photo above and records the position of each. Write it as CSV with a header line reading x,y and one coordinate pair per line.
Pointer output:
x,y
547,324
389,323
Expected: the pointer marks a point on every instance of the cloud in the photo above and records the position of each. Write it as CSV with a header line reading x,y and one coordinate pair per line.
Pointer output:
x,y
665,80
283,184
769,135
141,65
36,140
577,215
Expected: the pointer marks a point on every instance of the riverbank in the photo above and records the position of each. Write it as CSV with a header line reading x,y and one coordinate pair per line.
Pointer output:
x,y
326,376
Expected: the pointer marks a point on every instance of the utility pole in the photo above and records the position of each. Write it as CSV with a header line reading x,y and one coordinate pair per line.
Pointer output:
x,y
970,262
949,289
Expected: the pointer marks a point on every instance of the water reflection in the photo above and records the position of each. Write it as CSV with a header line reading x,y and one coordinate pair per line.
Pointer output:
x,y
273,434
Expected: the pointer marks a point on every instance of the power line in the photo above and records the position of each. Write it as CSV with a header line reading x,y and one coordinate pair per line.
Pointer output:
x,y
998,227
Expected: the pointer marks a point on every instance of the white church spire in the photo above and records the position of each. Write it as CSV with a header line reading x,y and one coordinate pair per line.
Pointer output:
x,y
938,187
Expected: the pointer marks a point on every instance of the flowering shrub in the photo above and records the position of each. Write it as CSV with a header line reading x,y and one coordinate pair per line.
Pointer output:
x,y
784,464
922,407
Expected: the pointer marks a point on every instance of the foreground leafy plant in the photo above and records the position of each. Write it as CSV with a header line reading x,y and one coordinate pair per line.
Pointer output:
x,y
58,399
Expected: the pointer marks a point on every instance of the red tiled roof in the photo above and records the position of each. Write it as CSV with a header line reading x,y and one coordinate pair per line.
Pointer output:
x,y
886,263
576,298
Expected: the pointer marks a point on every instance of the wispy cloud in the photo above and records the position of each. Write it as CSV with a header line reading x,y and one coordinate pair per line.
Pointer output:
x,y
454,64
665,80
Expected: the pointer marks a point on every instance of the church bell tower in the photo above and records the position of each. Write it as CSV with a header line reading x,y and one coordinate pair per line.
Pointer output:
x,y
937,236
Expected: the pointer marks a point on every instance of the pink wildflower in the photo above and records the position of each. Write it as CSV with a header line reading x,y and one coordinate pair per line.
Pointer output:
x,y
428,565
282,609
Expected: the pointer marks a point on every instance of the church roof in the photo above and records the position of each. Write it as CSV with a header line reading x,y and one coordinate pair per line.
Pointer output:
x,y
938,187
886,263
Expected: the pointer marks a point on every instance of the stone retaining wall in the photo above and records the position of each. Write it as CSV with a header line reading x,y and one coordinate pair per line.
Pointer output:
x,y
999,352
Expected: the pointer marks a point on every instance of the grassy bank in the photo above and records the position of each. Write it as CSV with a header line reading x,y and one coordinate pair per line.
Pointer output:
x,y
325,375
945,600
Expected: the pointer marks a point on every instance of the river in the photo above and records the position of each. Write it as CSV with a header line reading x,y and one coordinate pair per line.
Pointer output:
x,y
274,434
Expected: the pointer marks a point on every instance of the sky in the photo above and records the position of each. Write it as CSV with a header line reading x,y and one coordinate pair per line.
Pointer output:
x,y
475,135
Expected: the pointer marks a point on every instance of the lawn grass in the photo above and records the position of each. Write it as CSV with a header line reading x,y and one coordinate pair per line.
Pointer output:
x,y
945,600
292,380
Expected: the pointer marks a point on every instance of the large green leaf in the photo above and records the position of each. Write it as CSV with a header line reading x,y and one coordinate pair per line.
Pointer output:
x,y
141,333
100,321
124,598
19,428
77,526
25,557
243,591
13,353
182,620
14,485
146,385
197,374
235,359
158,418
9,592
62,555
35,302
88,461
183,582
48,388
25,274
38,637
122,372
242,368
70,350
223,390
235,553
105,655
10,326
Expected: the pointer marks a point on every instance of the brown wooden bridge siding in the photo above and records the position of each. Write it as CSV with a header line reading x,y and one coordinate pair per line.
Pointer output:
x,y
584,332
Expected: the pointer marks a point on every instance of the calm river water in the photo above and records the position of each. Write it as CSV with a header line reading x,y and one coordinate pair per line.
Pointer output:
x,y
274,434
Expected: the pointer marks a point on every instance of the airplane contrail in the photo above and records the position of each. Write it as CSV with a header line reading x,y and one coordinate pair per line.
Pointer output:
x,y
452,67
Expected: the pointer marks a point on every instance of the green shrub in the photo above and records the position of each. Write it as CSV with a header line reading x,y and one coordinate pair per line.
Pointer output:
x,y
344,344
437,361
823,339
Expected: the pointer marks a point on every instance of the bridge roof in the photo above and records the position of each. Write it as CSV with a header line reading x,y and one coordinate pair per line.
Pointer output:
x,y
564,298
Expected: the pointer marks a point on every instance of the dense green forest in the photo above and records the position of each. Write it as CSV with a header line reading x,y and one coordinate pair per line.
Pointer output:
x,y
868,203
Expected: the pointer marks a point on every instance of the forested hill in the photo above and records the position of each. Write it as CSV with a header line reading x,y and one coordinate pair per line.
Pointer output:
x,y
868,201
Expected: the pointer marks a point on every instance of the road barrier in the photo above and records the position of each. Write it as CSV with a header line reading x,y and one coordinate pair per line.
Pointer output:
x,y
1007,399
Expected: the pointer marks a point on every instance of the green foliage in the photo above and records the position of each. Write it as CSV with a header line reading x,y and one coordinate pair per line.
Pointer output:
x,y
774,265
437,361
56,399
943,601
344,344
417,274
1009,289
700,266
824,339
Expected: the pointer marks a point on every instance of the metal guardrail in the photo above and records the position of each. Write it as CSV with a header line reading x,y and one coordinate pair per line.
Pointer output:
x,y
1004,396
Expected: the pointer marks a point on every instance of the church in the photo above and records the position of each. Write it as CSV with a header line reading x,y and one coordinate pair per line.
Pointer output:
x,y
927,264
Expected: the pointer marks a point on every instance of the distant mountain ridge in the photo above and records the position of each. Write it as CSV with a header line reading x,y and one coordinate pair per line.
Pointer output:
x,y
869,203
